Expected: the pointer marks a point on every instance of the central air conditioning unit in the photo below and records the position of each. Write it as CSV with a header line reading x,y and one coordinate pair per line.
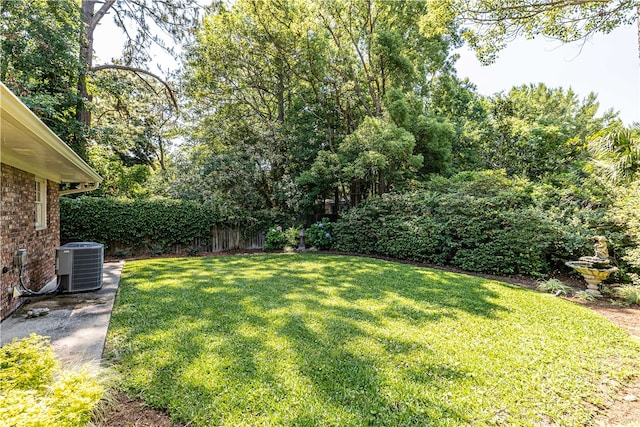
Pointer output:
x,y
79,266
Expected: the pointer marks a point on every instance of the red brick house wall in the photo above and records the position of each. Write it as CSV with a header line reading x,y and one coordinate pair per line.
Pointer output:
x,y
18,231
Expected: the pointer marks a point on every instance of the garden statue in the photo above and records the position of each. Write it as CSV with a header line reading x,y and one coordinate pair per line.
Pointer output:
x,y
301,246
595,268
600,247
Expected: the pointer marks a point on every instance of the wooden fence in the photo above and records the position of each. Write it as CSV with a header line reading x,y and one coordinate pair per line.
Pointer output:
x,y
226,239
219,240
222,239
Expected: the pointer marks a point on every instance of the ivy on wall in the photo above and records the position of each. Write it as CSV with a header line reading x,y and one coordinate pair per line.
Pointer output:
x,y
142,223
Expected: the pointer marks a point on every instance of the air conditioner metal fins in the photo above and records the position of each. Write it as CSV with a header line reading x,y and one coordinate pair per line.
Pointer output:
x,y
79,266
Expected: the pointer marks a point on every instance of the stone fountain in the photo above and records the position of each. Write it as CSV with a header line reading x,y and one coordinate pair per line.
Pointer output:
x,y
595,268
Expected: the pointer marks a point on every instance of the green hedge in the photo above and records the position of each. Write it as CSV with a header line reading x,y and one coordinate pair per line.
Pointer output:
x,y
142,224
626,213
482,222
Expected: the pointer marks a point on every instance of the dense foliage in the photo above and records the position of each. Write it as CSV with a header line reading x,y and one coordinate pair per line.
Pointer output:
x,y
39,60
627,213
291,93
537,131
35,391
481,222
278,238
617,161
320,234
153,225
294,107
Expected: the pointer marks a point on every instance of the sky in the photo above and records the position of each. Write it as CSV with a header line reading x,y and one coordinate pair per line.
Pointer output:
x,y
607,65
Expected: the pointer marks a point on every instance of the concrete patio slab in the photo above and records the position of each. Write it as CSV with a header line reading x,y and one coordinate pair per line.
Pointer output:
x,y
76,324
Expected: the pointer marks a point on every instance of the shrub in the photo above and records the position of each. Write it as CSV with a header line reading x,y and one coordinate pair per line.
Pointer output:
x,y
150,226
278,238
584,295
625,212
292,236
26,364
630,293
320,234
35,391
554,286
275,240
133,223
478,221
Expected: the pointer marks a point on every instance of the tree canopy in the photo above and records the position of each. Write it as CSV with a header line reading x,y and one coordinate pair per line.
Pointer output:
x,y
39,60
491,24
290,104
299,78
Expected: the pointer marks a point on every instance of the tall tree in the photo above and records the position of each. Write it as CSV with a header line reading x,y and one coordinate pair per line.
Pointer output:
x,y
536,131
39,59
133,118
145,23
299,77
47,52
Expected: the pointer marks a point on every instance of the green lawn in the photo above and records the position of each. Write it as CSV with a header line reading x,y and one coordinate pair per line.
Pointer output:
x,y
338,341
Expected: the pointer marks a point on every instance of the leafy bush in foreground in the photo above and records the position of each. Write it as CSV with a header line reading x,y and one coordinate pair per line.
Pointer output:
x,y
35,391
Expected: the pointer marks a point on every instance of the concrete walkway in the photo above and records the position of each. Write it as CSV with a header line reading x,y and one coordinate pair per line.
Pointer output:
x,y
76,324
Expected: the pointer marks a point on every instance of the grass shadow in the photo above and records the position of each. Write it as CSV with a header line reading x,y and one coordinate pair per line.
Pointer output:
x,y
315,340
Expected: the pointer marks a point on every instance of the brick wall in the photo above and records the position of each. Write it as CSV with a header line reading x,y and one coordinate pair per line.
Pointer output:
x,y
18,231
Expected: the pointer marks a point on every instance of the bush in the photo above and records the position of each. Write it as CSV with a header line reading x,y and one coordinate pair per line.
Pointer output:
x,y
124,222
320,234
625,213
554,286
481,221
630,293
278,238
275,239
150,226
35,391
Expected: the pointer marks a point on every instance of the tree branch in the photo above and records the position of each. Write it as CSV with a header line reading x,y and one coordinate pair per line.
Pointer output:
x,y
141,71
100,14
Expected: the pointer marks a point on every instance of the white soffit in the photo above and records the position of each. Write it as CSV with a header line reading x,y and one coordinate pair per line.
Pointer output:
x,y
28,144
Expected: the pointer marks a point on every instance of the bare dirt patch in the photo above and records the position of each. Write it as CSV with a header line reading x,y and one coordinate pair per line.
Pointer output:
x,y
625,409
123,411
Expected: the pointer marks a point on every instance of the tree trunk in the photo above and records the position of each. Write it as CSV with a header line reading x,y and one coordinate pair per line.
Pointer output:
x,y
86,59
83,114
90,20
638,25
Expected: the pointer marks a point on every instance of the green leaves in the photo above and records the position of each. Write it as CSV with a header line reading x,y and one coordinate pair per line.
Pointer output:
x,y
39,60
498,21
320,234
536,131
481,222
616,155
35,391
379,155
140,224
287,83
278,238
